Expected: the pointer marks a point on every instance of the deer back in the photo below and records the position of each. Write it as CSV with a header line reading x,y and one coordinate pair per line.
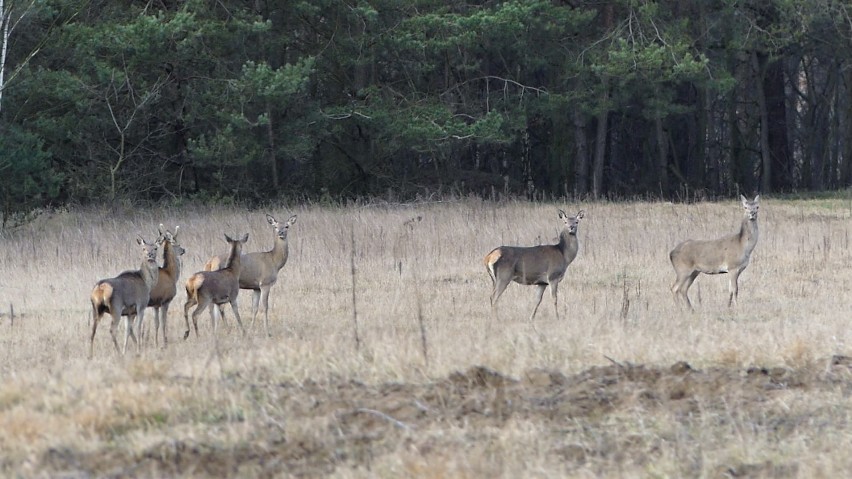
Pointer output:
x,y
127,289
719,255
531,264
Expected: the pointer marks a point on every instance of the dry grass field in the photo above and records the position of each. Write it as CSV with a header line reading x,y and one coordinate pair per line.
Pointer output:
x,y
624,385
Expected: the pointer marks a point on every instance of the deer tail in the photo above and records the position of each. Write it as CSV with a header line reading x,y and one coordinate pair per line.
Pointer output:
x,y
101,297
490,259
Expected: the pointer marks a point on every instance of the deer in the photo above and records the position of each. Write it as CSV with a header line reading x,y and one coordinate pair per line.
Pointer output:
x,y
216,287
260,269
728,254
125,295
166,288
542,265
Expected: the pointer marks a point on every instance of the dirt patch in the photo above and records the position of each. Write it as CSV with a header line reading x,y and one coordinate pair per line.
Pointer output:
x,y
362,422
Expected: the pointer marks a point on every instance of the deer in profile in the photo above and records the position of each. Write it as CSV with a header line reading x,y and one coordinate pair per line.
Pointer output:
x,y
166,288
215,287
125,295
260,269
728,254
534,265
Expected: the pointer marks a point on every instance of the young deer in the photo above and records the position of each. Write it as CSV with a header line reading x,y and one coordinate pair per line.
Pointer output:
x,y
166,288
216,287
260,269
125,295
539,265
728,254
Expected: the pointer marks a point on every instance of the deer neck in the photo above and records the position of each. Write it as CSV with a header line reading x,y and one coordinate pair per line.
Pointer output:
x,y
171,263
748,233
234,262
280,252
150,274
568,244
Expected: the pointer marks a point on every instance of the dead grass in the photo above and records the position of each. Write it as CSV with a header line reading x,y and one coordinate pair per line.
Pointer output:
x,y
757,391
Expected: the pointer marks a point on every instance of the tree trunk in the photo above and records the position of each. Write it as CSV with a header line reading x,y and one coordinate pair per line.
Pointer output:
x,y
581,170
758,64
273,158
781,170
662,157
600,144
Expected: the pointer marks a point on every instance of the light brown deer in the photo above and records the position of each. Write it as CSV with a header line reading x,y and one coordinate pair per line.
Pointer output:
x,y
215,287
166,288
260,269
728,254
534,265
125,295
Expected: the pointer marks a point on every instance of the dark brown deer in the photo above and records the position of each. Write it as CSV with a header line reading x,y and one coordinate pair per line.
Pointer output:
x,y
728,254
166,288
125,295
215,287
541,266
260,269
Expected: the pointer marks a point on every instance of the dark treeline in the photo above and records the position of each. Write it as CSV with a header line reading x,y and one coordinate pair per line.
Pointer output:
x,y
257,99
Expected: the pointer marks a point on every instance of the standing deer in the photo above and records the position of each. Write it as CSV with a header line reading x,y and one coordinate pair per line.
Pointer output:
x,y
166,288
260,269
728,254
539,265
216,287
125,295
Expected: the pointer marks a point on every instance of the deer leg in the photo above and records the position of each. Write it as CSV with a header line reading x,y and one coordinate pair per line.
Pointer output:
x,y
255,302
539,295
734,286
128,330
95,318
499,287
188,304
221,313
554,287
116,318
237,314
684,288
264,298
215,311
165,309
156,328
202,305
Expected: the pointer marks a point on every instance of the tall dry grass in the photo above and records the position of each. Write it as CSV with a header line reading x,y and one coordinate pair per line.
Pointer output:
x,y
614,301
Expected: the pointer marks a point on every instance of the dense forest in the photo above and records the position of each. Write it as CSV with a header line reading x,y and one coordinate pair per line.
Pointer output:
x,y
253,100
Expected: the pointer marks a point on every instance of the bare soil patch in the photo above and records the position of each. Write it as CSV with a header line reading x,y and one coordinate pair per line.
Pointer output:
x,y
363,422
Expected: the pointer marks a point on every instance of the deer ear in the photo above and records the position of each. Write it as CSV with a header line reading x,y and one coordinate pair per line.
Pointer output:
x,y
139,240
743,199
174,235
161,229
581,214
562,214
291,220
757,198
245,238
228,238
270,219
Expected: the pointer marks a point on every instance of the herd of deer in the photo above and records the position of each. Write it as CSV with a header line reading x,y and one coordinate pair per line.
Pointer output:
x,y
129,293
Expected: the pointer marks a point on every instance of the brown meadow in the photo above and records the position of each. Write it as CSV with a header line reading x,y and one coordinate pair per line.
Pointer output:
x,y
625,384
